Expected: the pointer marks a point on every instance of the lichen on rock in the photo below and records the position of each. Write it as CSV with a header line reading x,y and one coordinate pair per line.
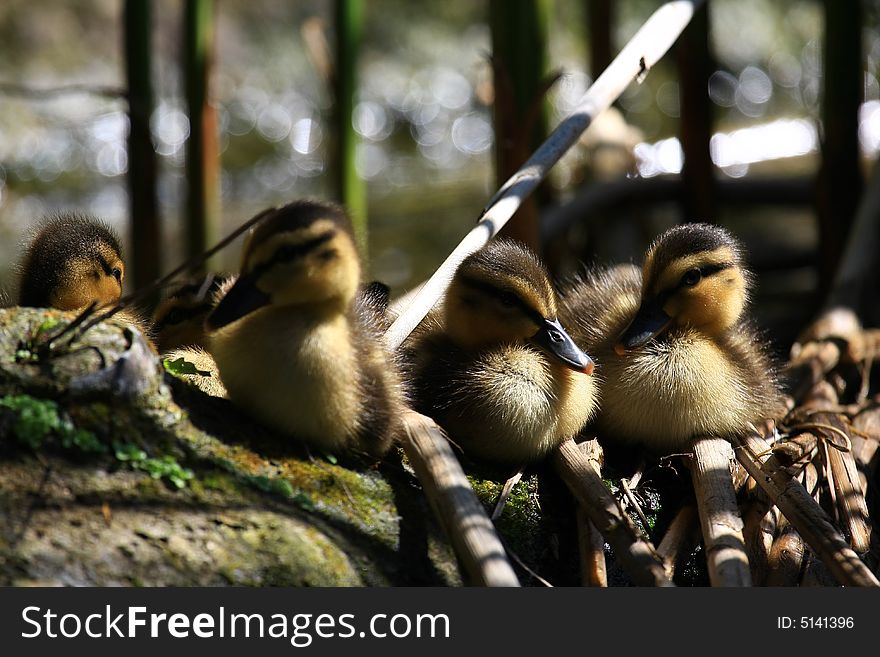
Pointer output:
x,y
182,488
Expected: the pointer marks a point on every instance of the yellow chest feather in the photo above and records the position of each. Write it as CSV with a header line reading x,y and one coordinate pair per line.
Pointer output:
x,y
665,394
296,373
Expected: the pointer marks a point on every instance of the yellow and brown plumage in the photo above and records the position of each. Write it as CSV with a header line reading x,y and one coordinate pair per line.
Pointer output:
x,y
494,367
296,343
678,354
73,261
179,318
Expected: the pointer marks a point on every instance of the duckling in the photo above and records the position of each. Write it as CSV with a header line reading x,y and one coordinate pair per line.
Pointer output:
x,y
73,261
297,346
680,358
179,318
495,367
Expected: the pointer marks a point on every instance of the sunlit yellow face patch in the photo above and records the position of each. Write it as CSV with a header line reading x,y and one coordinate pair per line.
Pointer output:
x,y
308,264
672,275
704,290
479,315
95,279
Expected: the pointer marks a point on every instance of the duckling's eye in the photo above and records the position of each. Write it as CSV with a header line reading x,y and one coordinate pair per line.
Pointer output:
x,y
507,299
175,316
117,274
691,277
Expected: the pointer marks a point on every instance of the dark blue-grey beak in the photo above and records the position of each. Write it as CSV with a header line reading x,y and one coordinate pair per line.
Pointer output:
x,y
242,299
649,322
553,339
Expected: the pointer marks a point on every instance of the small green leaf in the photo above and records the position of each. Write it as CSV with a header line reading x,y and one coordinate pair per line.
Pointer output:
x,y
48,324
332,459
181,366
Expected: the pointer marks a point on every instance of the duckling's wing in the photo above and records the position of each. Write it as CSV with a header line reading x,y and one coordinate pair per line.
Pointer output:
x,y
377,294
373,299
749,351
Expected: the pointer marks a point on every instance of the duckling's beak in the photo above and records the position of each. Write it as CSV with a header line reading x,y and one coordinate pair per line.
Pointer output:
x,y
649,322
242,298
553,339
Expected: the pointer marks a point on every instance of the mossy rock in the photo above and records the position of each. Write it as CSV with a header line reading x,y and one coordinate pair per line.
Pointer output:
x,y
113,471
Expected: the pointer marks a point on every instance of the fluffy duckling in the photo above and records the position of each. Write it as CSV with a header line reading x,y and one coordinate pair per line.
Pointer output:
x,y
73,261
295,343
494,367
179,318
179,326
678,354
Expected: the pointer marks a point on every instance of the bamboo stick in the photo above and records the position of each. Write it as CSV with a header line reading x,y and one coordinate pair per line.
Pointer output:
x,y
695,63
719,513
648,45
351,190
680,538
142,175
202,146
803,513
839,181
591,546
519,33
455,504
865,449
760,521
850,498
591,543
847,491
635,554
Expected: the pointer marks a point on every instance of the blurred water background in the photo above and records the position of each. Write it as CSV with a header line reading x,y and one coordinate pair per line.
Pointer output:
x,y
423,114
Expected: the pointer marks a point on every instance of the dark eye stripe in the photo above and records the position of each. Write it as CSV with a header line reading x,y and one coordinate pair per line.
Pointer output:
x,y
290,252
503,295
104,264
705,270
179,315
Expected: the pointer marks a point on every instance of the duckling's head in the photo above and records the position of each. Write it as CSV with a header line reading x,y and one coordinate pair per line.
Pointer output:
x,y
302,254
72,262
693,276
179,319
502,295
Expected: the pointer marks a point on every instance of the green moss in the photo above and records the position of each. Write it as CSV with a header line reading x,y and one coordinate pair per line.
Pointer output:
x,y
520,523
340,525
163,467
40,420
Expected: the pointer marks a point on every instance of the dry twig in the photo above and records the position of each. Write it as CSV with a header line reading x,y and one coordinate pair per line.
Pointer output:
x,y
804,514
592,551
680,538
636,555
719,513
455,504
